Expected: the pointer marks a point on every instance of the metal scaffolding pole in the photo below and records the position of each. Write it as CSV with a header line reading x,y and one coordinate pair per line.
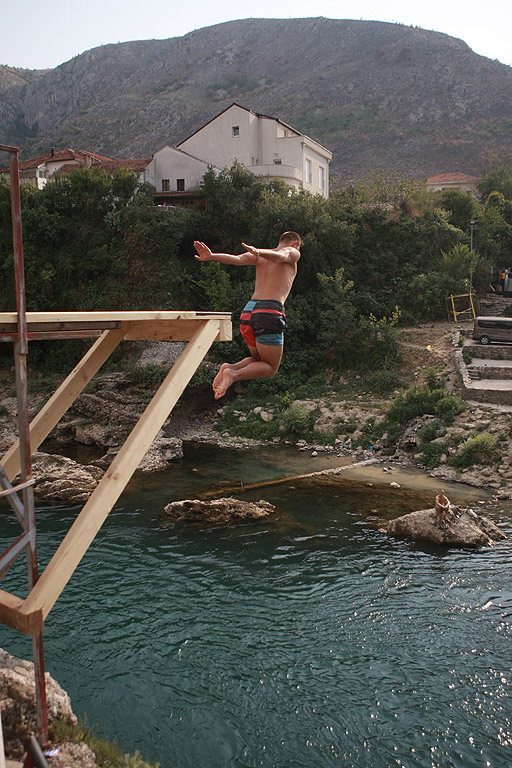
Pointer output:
x,y
26,482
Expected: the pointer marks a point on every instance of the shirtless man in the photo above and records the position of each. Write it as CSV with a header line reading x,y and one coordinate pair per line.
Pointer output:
x,y
442,506
263,321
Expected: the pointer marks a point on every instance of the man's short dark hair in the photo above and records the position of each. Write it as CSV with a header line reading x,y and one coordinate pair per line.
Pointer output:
x,y
291,237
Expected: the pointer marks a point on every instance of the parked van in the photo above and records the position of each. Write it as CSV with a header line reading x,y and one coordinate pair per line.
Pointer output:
x,y
487,329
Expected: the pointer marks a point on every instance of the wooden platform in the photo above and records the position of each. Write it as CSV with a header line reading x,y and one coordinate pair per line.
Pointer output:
x,y
199,329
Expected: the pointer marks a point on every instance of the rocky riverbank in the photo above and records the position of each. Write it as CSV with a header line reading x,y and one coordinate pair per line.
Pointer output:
x,y
17,704
71,462
99,421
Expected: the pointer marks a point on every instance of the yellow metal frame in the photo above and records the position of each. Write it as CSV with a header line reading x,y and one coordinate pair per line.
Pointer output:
x,y
471,308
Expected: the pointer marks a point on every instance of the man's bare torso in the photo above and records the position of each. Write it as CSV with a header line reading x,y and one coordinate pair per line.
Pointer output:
x,y
274,280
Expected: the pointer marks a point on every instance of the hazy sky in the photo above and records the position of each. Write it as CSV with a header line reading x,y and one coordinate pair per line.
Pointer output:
x,y
45,33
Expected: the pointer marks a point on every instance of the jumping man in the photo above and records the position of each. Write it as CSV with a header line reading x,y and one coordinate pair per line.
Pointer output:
x,y
263,321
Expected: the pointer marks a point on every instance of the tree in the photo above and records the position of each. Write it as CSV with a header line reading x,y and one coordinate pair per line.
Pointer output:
x,y
461,207
497,180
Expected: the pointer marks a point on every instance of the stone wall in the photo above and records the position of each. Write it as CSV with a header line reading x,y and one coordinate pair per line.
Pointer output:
x,y
471,389
491,351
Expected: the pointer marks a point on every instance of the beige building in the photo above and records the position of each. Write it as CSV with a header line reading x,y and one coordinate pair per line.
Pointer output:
x,y
460,181
265,145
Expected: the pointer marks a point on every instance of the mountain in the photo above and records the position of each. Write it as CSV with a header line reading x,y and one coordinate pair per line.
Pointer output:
x,y
378,95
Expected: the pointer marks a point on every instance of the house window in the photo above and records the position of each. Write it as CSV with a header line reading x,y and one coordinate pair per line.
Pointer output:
x,y
309,175
236,130
180,185
321,177
278,162
166,185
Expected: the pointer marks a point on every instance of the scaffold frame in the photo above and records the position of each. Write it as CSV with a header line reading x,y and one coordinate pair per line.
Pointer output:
x,y
198,329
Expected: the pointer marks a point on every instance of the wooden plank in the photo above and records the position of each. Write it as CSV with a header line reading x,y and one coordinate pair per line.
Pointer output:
x,y
175,330
10,318
76,542
83,333
63,397
241,487
10,613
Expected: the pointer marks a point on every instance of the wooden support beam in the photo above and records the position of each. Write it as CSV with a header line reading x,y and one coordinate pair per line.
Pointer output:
x,y
10,613
163,330
63,397
76,542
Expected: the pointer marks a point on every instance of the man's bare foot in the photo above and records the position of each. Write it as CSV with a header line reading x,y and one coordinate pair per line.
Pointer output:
x,y
218,377
222,385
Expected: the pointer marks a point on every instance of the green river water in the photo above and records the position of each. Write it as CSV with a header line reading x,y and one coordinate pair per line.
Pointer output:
x,y
306,640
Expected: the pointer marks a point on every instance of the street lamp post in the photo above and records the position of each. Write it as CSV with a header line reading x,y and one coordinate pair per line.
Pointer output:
x,y
471,225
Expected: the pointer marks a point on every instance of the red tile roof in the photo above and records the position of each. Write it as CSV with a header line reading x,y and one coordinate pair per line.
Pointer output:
x,y
446,178
59,156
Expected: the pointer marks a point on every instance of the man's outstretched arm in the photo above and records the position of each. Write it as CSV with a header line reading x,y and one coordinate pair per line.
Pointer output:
x,y
287,255
204,254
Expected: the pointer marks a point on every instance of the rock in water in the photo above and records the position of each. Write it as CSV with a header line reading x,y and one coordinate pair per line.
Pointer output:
x,y
63,479
464,528
218,511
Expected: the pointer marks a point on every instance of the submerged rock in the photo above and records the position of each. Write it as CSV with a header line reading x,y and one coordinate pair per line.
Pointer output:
x,y
464,528
218,511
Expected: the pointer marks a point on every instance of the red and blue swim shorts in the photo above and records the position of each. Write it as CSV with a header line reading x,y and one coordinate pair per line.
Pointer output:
x,y
263,322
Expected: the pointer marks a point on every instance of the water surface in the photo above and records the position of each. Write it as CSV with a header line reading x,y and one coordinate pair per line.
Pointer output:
x,y
307,640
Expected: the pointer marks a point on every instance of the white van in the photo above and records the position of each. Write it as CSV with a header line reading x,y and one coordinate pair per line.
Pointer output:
x,y
487,329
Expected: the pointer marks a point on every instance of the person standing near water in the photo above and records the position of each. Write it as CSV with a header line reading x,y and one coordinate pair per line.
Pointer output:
x,y
263,320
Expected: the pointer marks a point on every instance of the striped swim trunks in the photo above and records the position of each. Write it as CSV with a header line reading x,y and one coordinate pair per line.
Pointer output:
x,y
263,321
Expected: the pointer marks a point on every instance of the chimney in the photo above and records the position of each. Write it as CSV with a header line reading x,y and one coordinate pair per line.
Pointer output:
x,y
52,152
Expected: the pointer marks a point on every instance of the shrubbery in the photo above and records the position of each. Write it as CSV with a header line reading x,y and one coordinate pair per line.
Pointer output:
x,y
478,449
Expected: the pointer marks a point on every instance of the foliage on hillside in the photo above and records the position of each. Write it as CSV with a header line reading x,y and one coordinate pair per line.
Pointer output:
x,y
381,251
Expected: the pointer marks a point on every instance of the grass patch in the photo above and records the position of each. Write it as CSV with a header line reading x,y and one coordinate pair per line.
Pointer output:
x,y
108,754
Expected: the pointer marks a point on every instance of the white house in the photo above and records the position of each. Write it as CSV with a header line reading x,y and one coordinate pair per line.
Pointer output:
x,y
265,145
176,176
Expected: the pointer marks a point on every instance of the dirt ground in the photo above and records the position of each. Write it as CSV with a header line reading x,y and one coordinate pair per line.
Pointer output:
x,y
429,345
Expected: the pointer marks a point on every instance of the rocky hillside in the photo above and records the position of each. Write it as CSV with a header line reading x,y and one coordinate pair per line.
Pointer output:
x,y
378,95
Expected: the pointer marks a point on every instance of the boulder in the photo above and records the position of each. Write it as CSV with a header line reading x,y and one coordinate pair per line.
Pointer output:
x,y
464,528
63,479
217,511
161,452
17,701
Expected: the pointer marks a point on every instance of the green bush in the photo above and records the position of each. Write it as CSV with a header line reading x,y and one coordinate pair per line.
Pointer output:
x,y
382,382
150,375
448,407
430,431
431,454
296,421
432,377
467,356
478,449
